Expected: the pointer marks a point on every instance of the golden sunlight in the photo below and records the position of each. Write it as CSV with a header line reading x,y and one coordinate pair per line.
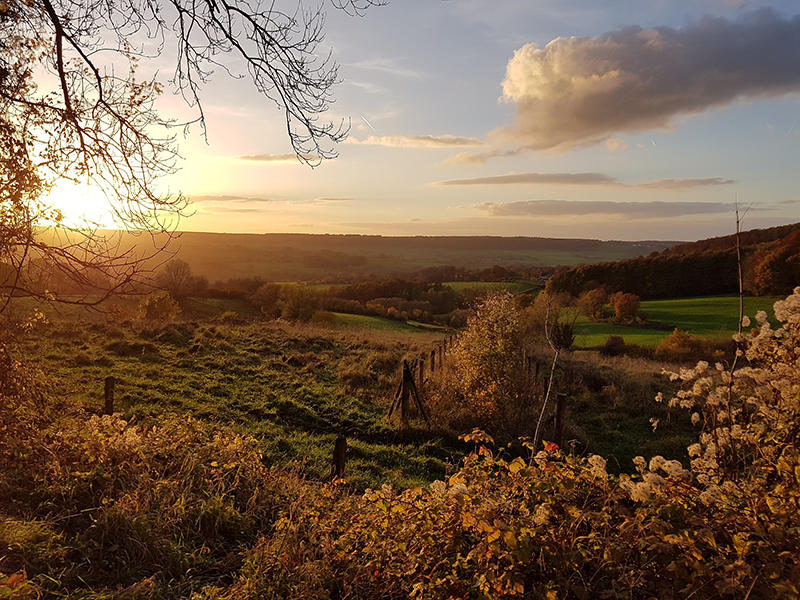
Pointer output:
x,y
81,205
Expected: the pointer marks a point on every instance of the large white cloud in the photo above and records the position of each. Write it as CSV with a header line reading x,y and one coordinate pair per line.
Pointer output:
x,y
578,91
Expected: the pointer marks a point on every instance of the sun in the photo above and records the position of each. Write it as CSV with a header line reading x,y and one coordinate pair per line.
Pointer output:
x,y
82,206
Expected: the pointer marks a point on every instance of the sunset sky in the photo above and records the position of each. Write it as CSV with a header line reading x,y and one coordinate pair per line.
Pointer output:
x,y
621,119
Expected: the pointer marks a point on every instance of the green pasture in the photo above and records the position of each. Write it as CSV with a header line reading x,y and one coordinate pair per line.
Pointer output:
x,y
590,335
715,317
375,323
515,287
293,387
712,317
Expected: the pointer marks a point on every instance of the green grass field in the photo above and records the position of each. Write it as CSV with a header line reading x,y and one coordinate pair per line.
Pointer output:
x,y
373,323
294,387
515,287
591,335
714,317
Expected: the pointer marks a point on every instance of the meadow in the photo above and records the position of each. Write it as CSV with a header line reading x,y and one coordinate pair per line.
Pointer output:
x,y
296,387
713,317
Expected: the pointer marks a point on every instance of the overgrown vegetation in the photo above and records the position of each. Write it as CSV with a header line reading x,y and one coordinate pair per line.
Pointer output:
x,y
212,479
558,526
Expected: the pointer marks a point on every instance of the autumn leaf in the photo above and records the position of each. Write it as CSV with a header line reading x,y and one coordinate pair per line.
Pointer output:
x,y
15,580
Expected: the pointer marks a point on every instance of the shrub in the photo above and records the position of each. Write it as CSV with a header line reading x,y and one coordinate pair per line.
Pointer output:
x,y
158,306
680,346
613,346
626,306
487,356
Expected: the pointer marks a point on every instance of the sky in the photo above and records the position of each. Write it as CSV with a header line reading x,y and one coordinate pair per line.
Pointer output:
x,y
621,119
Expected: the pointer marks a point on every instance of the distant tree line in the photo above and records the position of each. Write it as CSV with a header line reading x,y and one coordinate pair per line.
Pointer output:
x,y
770,268
655,276
426,298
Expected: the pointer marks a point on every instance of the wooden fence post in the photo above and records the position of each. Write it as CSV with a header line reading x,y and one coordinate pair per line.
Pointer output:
x,y
433,360
405,394
405,391
339,457
110,384
421,372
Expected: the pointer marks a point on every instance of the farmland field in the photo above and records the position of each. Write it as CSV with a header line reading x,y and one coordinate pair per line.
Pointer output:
x,y
714,317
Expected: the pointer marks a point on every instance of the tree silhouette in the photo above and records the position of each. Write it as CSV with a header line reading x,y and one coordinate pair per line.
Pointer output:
x,y
73,107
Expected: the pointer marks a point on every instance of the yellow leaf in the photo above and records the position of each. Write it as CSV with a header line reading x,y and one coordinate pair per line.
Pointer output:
x,y
510,539
516,465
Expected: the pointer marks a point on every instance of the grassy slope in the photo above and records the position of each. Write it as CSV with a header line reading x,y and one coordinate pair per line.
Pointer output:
x,y
296,388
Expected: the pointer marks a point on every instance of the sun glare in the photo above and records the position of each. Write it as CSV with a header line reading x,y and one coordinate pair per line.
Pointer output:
x,y
81,205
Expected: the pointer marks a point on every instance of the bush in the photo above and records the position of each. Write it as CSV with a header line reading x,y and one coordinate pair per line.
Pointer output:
x,y
680,346
158,306
614,346
626,306
487,356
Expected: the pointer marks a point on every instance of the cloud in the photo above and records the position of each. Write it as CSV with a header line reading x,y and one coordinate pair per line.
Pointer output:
x,y
580,91
536,179
675,185
252,204
385,65
480,158
418,141
330,200
625,210
685,184
789,201
280,158
228,199
615,144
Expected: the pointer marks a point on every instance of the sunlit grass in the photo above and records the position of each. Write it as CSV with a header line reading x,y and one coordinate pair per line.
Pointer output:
x,y
713,317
